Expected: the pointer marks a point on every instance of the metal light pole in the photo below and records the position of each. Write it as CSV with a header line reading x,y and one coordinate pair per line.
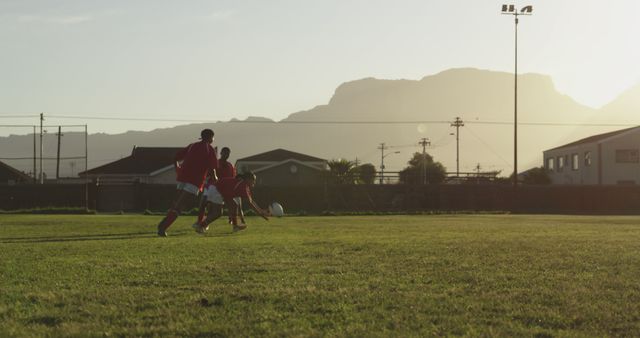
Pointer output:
x,y
424,142
41,135
511,10
382,147
457,123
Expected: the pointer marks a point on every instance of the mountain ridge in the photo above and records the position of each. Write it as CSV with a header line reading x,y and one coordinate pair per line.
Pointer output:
x,y
478,96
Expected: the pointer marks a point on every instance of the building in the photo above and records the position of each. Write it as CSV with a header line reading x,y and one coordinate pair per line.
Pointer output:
x,y
282,167
11,176
605,159
152,165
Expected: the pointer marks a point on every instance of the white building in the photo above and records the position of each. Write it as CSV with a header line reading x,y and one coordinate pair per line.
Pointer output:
x,y
604,159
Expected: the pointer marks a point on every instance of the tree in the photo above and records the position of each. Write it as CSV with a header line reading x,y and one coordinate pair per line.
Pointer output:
x,y
366,173
435,172
539,176
342,171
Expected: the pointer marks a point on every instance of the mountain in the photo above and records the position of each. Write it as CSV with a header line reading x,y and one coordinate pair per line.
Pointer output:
x,y
624,108
469,93
399,113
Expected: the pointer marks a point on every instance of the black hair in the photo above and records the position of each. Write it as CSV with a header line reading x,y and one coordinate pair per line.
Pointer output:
x,y
247,175
206,133
225,148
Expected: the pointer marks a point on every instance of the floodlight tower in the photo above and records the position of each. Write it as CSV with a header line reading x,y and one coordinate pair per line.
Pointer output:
x,y
511,10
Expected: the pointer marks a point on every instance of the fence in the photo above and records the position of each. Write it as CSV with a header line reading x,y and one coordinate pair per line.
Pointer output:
x,y
316,199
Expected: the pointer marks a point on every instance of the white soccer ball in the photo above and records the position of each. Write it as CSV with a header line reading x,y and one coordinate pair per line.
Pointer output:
x,y
276,209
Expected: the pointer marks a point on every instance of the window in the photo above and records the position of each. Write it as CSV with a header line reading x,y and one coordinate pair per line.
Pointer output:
x,y
627,156
574,162
587,158
550,163
560,163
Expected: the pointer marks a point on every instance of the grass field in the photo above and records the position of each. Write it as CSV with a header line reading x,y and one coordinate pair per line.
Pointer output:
x,y
504,275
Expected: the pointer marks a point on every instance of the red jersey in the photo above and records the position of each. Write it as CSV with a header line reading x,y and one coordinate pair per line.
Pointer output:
x,y
225,170
197,158
233,187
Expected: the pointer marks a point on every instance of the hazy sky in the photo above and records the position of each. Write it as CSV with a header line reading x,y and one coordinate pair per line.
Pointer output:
x,y
223,59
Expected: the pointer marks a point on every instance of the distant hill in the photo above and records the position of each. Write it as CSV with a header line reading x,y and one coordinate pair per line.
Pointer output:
x,y
624,108
483,99
469,93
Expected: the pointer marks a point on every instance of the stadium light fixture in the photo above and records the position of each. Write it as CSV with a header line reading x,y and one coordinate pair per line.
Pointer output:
x,y
382,167
512,10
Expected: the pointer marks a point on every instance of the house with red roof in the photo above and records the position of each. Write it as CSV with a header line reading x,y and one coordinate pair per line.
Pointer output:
x,y
611,158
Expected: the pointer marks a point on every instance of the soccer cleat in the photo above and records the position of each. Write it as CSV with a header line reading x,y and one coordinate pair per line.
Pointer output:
x,y
161,232
239,227
198,228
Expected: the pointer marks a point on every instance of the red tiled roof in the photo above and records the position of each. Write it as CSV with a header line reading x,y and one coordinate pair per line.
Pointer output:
x,y
594,138
143,161
280,155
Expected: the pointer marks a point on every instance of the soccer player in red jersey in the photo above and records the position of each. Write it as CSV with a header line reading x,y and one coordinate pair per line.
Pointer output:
x,y
225,170
223,192
192,165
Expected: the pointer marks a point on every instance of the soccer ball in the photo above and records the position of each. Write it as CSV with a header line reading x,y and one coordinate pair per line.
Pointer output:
x,y
276,209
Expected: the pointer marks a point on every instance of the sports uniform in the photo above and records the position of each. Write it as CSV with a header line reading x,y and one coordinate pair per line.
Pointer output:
x,y
197,159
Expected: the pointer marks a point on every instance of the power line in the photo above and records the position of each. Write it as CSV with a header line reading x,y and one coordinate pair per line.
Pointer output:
x,y
336,122
17,116
489,147
412,145
509,123
44,158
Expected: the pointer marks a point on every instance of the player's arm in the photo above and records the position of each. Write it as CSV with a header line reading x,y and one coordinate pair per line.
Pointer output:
x,y
213,165
262,212
180,156
241,212
213,175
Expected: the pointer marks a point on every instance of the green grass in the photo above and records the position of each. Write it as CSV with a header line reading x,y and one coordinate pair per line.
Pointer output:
x,y
496,275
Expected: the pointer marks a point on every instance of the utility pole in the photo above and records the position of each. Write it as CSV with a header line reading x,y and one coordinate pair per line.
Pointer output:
x,y
457,123
424,142
382,148
478,173
86,166
58,155
35,154
41,135
511,10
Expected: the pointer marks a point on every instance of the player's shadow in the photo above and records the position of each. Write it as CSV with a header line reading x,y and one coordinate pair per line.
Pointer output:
x,y
78,238
100,237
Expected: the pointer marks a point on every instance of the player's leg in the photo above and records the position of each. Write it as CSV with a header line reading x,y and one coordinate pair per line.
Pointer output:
x,y
233,213
214,209
238,201
184,195
173,212
202,207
